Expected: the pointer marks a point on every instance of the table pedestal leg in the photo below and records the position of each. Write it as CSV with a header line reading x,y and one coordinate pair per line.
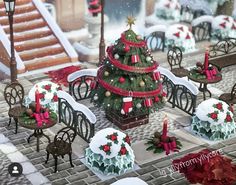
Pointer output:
x,y
203,89
38,133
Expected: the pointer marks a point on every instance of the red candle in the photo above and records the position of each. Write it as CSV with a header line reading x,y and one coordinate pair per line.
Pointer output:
x,y
164,130
37,99
206,62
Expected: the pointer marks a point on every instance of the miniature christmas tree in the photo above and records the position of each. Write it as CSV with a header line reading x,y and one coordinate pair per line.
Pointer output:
x,y
128,80
95,7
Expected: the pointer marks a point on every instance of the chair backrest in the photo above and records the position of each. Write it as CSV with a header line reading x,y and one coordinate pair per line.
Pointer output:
x,y
174,57
233,92
66,134
14,94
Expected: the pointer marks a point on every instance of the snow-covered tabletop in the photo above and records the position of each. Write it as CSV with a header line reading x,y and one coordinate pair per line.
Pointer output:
x,y
129,181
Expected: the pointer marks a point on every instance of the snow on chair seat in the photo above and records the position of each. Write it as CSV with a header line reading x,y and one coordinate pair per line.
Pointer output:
x,y
76,115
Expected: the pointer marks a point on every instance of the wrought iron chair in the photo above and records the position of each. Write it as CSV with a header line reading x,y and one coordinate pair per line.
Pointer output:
x,y
229,98
174,58
14,96
61,145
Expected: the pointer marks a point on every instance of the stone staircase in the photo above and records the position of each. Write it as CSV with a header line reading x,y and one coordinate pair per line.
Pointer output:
x,y
38,42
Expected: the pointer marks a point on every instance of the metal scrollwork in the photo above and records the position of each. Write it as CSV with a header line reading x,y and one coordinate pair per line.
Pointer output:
x,y
156,41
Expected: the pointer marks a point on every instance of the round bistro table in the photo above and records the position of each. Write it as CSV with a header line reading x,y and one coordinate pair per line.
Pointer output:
x,y
38,131
204,82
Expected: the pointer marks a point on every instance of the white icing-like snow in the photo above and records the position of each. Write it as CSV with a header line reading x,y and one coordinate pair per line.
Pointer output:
x,y
130,181
100,139
83,72
204,18
155,28
207,107
85,50
77,106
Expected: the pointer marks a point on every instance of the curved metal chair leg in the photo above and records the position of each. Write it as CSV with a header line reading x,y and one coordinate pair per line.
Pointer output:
x,y
9,123
16,122
47,158
55,157
71,160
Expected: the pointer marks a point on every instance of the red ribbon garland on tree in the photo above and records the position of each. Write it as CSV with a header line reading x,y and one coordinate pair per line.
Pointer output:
x,y
123,92
130,68
132,44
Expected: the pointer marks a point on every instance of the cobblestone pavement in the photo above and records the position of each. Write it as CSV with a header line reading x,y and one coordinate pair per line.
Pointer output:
x,y
80,174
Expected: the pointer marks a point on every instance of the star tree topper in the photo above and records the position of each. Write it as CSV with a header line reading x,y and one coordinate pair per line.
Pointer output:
x,y
130,21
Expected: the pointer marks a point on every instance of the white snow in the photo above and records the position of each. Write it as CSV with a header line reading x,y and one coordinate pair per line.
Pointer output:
x,y
77,34
204,18
155,28
85,50
129,181
84,72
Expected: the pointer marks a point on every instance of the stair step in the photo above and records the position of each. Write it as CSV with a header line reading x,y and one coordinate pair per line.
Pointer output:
x,y
39,23
24,18
46,62
47,51
36,43
19,10
32,35
18,3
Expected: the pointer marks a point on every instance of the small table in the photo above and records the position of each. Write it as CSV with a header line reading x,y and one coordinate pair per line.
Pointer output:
x,y
203,83
38,131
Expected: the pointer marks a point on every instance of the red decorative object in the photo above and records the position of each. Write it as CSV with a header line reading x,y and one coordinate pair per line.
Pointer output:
x,y
41,96
226,19
181,28
41,118
48,87
223,25
37,100
60,76
156,75
123,150
95,7
126,48
123,92
93,84
164,94
113,137
233,27
148,102
188,36
124,67
135,59
213,115
156,99
228,118
127,106
55,97
164,130
206,61
121,79
206,167
127,139
219,106
177,34
132,44
106,148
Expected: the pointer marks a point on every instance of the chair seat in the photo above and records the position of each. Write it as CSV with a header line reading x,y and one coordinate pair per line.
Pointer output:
x,y
16,111
59,148
226,97
180,72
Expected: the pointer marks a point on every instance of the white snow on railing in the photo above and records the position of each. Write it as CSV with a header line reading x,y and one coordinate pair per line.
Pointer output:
x,y
152,29
77,106
83,72
204,18
179,81
55,28
6,43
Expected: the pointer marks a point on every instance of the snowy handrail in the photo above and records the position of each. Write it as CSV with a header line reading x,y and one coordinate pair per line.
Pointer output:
x,y
179,81
6,43
56,30
204,18
150,30
83,72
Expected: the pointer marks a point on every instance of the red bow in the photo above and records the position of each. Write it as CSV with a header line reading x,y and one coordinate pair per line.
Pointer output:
x,y
41,118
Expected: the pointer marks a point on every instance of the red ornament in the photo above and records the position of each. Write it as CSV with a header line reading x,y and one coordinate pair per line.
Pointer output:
x,y
214,115
164,94
148,102
127,139
135,59
127,106
228,118
219,106
106,148
123,150
226,19
126,48
47,87
121,79
156,75
55,98
156,99
177,34
37,97
41,95
223,25
187,37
